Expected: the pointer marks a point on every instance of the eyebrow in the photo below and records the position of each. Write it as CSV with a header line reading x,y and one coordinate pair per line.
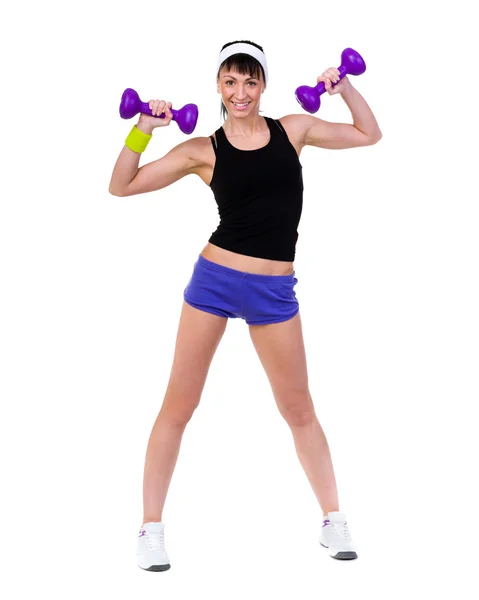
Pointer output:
x,y
247,79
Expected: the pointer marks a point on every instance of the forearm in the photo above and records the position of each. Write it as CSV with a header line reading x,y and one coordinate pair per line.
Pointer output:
x,y
126,167
363,118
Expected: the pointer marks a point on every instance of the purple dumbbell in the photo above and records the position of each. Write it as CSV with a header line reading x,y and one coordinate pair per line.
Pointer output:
x,y
352,63
131,105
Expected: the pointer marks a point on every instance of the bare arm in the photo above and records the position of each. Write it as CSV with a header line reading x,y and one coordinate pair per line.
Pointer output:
x,y
364,131
336,136
127,179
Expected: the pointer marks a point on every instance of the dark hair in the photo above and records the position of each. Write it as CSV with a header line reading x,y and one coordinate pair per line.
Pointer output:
x,y
242,63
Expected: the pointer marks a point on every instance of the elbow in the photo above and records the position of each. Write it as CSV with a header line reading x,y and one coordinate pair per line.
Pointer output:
x,y
119,193
375,138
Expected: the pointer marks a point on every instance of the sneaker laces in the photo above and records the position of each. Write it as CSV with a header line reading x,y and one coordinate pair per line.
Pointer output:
x,y
341,530
155,541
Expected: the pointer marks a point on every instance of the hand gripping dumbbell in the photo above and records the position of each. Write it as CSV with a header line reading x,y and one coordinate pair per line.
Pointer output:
x,y
131,105
352,63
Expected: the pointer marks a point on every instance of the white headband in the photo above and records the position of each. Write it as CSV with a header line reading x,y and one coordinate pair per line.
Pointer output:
x,y
244,49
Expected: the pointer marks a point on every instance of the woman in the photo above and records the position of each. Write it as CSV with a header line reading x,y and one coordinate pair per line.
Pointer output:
x,y
245,270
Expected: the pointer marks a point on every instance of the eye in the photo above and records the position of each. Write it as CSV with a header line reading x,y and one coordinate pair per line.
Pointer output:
x,y
253,82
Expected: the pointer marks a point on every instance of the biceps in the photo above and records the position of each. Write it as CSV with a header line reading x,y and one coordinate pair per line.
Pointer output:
x,y
160,174
323,134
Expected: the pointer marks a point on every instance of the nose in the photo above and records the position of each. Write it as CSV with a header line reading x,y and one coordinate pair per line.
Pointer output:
x,y
240,91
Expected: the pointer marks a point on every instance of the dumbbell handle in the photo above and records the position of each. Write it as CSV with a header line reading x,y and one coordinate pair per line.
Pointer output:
x,y
321,86
146,110
131,105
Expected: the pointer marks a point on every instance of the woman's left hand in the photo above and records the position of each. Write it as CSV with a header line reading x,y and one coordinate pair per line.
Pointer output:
x,y
331,76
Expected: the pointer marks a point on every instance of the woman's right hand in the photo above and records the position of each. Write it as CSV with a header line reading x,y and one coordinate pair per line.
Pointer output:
x,y
147,123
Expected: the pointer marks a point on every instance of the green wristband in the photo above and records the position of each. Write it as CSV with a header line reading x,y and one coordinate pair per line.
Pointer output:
x,y
137,140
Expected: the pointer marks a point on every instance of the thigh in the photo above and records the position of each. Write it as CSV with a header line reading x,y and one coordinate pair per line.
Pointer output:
x,y
280,348
199,334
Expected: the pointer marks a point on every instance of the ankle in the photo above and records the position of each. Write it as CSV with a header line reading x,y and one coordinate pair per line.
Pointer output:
x,y
327,513
152,520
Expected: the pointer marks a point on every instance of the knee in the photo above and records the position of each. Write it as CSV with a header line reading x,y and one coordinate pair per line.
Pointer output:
x,y
297,411
178,411
296,418
176,419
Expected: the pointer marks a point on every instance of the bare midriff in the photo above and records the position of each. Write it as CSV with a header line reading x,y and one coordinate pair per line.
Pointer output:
x,y
247,264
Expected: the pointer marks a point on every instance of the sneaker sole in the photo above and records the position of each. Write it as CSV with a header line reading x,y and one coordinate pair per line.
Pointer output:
x,y
342,555
157,568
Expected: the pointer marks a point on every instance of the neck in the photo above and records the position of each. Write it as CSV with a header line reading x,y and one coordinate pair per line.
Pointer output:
x,y
246,127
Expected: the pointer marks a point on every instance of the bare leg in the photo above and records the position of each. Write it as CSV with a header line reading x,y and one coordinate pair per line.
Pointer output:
x,y
161,456
313,452
199,334
280,348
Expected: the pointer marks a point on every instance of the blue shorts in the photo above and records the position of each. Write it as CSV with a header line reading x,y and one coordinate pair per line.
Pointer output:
x,y
259,299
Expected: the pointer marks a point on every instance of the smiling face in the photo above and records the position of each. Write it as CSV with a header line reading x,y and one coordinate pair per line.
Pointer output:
x,y
241,93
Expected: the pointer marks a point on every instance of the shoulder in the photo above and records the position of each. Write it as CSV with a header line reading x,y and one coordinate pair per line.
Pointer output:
x,y
198,150
196,144
297,127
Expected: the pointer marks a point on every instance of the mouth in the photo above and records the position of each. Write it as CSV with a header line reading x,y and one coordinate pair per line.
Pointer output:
x,y
241,105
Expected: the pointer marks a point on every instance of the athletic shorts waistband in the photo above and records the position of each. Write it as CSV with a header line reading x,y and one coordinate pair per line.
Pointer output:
x,y
208,264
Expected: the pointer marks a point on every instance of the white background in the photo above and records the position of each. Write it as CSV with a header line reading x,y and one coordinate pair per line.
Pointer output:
x,y
92,287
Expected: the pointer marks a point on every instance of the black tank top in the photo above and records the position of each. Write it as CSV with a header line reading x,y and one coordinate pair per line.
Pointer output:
x,y
259,194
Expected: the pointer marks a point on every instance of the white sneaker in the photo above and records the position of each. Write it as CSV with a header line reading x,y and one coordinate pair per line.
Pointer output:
x,y
336,537
151,551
